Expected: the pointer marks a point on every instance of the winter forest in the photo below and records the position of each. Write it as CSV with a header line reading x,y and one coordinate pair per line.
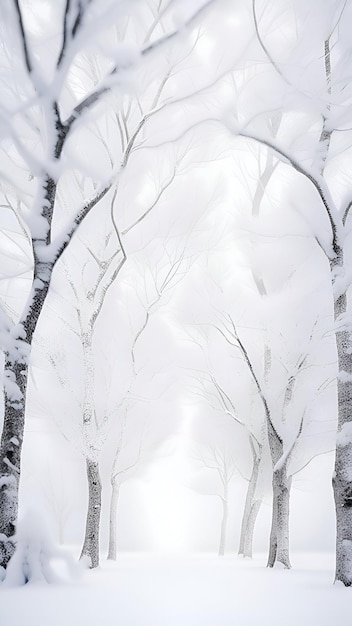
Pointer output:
x,y
175,334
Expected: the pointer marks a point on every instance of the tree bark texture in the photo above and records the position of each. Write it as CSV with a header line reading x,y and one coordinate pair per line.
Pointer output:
x,y
17,361
279,549
342,479
251,508
15,375
248,539
115,493
91,539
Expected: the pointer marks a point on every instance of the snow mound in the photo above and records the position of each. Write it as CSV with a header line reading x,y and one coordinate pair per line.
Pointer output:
x,y
37,556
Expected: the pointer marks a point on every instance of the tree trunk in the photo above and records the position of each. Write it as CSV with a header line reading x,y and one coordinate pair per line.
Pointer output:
x,y
16,360
10,455
342,479
115,493
279,549
225,516
248,538
249,518
91,540
15,390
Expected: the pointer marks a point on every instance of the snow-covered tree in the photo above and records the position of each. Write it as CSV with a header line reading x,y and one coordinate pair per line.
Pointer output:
x,y
263,372
45,99
313,141
153,280
222,463
215,395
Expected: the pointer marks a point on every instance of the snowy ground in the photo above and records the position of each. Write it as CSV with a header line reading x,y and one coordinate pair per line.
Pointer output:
x,y
142,590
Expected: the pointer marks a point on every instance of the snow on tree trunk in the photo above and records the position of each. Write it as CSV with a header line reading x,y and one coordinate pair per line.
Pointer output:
x,y
91,541
15,389
115,493
342,479
249,515
225,516
252,518
10,459
279,549
16,359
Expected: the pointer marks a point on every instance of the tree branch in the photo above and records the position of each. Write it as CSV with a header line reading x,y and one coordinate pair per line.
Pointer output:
x,y
144,215
79,219
64,35
263,46
346,213
310,460
95,96
319,185
286,455
249,364
27,60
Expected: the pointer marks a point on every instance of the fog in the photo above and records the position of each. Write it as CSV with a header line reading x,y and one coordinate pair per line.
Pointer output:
x,y
175,273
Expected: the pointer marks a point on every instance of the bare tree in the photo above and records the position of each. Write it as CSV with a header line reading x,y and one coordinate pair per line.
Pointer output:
x,y
44,117
89,294
88,307
158,280
221,461
281,450
119,474
333,130
215,395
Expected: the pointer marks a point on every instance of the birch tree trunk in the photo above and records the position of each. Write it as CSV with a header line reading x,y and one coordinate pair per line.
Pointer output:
x,y
248,539
17,359
91,540
10,458
342,479
115,493
225,517
251,508
279,549
15,390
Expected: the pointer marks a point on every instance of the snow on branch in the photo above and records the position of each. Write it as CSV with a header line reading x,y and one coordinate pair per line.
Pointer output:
x,y
346,213
263,46
230,333
104,282
27,60
318,183
289,450
130,61
72,21
222,401
151,207
56,249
